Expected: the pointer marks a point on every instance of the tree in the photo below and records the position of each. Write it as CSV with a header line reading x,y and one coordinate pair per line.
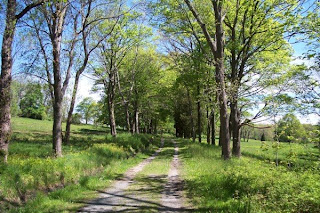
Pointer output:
x,y
217,48
6,69
90,19
86,107
253,28
126,34
31,104
57,27
290,129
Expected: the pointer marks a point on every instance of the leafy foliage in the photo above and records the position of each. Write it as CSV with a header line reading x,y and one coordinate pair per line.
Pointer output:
x,y
289,129
31,104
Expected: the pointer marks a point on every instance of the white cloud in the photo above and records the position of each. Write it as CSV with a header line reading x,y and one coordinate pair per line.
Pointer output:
x,y
84,89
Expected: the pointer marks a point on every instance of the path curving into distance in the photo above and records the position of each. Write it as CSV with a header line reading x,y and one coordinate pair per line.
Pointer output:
x,y
129,194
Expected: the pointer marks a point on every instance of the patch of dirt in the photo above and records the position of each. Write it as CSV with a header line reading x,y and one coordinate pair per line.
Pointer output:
x,y
115,199
172,196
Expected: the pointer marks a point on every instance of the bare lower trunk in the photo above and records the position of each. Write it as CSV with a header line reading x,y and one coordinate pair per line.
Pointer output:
x,y
127,117
136,121
73,101
217,48
57,127
213,128
209,133
236,130
112,119
5,81
58,98
224,127
199,116
133,126
193,129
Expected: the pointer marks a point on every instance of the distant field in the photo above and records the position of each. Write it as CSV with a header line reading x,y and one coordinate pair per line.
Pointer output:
x,y
294,155
32,125
251,183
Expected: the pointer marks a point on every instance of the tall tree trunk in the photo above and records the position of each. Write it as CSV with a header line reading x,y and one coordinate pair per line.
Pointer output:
x,y
57,124
220,142
136,120
236,129
133,125
126,107
213,128
58,97
70,112
199,115
219,65
5,81
112,119
209,133
193,129
111,94
231,120
217,49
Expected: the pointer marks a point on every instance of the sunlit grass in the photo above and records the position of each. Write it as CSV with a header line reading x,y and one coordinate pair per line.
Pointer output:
x,y
34,181
246,184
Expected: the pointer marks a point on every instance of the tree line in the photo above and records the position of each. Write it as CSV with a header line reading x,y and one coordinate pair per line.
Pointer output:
x,y
197,64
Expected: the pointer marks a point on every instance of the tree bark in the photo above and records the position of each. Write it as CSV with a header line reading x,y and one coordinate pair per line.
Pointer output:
x,y
199,115
136,120
58,98
111,94
219,65
217,49
5,81
236,126
6,78
213,128
209,133
57,124
193,129
126,107
70,112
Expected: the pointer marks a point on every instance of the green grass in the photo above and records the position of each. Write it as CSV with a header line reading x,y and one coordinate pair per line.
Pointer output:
x,y
294,155
34,181
248,184
150,182
299,156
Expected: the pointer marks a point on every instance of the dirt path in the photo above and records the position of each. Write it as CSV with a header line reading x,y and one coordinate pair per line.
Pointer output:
x,y
114,197
172,196
145,193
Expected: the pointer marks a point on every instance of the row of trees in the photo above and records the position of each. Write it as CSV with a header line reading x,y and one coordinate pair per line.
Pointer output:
x,y
234,57
66,39
218,61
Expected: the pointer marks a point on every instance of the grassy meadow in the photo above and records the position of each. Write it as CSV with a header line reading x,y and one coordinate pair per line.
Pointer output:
x,y
34,181
252,183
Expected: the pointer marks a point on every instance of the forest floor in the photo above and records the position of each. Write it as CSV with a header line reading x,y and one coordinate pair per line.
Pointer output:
x,y
154,185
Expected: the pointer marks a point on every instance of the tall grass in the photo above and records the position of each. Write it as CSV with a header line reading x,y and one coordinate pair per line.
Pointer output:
x,y
247,184
34,181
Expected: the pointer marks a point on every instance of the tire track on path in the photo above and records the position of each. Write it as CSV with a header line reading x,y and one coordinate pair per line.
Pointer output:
x,y
114,198
172,196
